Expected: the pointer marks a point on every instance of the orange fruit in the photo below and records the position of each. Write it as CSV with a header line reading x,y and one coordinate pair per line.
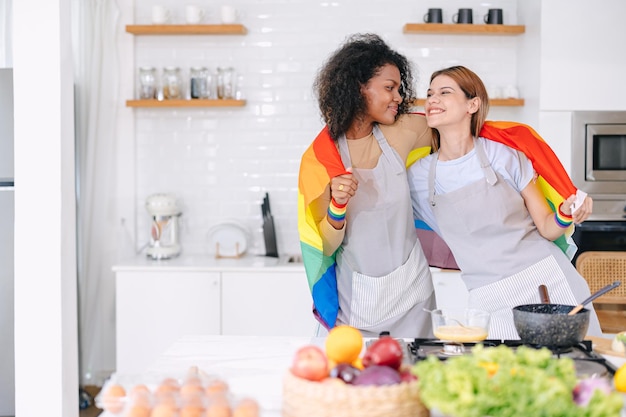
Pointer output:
x,y
619,379
344,344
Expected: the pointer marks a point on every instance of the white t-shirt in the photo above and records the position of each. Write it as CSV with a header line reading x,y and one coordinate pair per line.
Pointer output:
x,y
511,164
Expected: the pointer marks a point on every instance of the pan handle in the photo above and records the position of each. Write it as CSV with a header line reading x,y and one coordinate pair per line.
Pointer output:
x,y
543,294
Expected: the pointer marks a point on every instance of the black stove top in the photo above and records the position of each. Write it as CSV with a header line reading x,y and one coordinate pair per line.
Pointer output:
x,y
587,362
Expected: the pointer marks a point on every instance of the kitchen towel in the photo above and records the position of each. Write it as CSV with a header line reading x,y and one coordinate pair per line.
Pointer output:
x,y
321,162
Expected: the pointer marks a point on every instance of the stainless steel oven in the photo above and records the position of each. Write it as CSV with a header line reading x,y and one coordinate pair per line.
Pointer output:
x,y
599,169
599,152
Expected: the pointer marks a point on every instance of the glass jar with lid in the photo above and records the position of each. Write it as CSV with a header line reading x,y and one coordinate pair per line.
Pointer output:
x,y
198,82
172,83
226,83
147,83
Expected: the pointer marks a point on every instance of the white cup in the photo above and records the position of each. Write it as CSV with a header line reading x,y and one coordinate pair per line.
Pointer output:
x,y
511,91
160,14
494,91
228,14
193,14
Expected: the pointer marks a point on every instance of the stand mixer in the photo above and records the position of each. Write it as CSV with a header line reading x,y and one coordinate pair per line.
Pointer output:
x,y
164,231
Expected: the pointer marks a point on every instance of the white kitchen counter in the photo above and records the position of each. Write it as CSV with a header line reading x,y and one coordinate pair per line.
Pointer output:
x,y
252,366
207,263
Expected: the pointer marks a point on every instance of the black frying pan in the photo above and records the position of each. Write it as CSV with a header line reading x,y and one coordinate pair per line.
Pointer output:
x,y
549,324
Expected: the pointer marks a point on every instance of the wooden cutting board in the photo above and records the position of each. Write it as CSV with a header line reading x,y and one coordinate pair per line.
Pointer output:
x,y
603,345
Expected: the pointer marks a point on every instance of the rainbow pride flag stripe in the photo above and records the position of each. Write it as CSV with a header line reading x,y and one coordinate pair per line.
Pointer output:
x,y
321,162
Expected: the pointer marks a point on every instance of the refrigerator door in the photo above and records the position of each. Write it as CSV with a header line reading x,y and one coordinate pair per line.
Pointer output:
x,y
6,124
7,214
7,351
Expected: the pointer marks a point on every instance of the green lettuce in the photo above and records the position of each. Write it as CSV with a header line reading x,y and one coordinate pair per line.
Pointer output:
x,y
502,382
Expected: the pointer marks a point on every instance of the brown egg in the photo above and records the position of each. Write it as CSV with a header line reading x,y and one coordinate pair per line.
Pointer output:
x,y
216,386
191,411
113,398
166,389
247,407
218,407
191,391
193,380
139,389
163,410
138,411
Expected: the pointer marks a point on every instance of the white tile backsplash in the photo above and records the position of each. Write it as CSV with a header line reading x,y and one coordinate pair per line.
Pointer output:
x,y
221,161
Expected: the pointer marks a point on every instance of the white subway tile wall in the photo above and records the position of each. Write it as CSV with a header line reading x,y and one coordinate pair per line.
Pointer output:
x,y
220,162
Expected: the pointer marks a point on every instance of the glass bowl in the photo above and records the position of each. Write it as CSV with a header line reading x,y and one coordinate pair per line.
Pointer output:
x,y
460,325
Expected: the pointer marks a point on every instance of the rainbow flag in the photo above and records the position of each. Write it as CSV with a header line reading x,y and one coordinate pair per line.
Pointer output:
x,y
321,162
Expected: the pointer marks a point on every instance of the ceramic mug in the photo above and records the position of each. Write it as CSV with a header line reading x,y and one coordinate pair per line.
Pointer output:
x,y
463,16
494,17
160,14
434,16
193,14
228,14
510,91
494,91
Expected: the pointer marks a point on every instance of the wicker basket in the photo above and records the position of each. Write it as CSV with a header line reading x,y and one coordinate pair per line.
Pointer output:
x,y
302,398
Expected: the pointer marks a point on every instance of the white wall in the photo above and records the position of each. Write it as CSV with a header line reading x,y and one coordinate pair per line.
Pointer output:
x,y
582,65
582,55
220,162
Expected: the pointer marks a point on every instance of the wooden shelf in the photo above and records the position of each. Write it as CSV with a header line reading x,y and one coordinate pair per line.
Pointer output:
x,y
231,29
463,29
186,103
496,102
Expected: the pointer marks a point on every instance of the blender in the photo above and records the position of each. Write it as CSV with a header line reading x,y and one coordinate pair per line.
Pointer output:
x,y
164,231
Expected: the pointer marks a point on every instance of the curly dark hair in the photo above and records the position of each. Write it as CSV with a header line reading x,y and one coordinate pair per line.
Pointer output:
x,y
338,83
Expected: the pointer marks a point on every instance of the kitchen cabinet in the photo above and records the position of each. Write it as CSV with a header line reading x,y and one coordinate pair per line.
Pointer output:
x,y
155,308
159,302
222,29
468,29
267,304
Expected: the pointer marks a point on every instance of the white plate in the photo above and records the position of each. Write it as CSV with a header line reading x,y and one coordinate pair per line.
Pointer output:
x,y
231,237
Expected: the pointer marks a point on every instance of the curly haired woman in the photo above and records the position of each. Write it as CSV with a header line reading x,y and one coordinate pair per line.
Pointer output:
x,y
364,263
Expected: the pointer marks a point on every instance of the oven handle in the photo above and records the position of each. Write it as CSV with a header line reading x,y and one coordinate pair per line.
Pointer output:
x,y
600,226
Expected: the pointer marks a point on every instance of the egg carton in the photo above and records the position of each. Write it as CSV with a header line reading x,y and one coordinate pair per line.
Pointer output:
x,y
190,394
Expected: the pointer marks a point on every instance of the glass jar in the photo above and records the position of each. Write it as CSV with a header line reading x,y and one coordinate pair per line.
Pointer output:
x,y
226,83
172,83
147,83
198,82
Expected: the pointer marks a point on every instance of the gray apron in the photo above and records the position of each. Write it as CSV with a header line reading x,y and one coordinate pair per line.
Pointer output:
x,y
502,257
383,278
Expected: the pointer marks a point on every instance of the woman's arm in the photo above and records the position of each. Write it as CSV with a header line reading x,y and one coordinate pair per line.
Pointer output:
x,y
542,215
329,211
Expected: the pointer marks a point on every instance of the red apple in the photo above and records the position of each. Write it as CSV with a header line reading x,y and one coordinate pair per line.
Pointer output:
x,y
406,374
385,351
310,363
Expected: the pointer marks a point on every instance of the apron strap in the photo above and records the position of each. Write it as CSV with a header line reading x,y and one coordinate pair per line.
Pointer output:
x,y
387,151
489,173
485,166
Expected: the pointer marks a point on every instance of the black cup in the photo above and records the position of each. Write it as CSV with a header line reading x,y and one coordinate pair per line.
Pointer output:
x,y
434,16
494,17
463,16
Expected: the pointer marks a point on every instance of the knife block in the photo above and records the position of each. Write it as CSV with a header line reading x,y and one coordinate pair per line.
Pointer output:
x,y
269,234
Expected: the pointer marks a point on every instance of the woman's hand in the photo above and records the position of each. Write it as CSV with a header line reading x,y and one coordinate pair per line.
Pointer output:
x,y
584,211
343,187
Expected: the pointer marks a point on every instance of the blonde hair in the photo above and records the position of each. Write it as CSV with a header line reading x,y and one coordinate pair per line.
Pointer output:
x,y
472,86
